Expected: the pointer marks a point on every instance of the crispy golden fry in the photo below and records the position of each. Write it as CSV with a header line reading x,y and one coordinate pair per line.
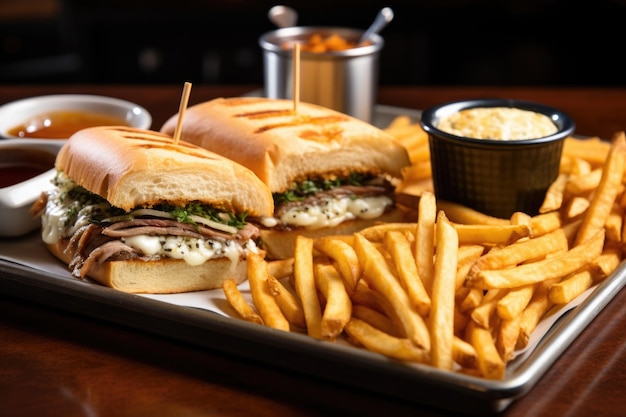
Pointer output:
x,y
345,257
464,353
532,314
556,266
471,300
364,296
545,223
522,251
491,234
554,196
287,302
593,150
361,333
263,299
424,251
239,303
483,313
304,281
377,232
575,207
442,300
579,166
490,363
581,185
338,308
605,264
468,255
506,337
460,214
566,290
381,279
604,196
375,319
280,268
514,301
399,248
614,224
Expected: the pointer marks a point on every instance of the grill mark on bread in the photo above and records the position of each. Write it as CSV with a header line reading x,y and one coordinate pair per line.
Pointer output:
x,y
322,120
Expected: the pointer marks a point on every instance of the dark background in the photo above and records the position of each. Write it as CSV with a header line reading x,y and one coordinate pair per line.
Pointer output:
x,y
446,42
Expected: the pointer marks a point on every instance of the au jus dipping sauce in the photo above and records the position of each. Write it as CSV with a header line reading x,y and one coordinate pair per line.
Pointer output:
x,y
62,124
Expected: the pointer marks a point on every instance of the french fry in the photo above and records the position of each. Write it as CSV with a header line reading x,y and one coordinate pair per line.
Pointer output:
x,y
338,308
554,196
379,276
545,223
304,281
594,150
383,343
442,300
287,302
467,256
490,364
582,185
263,299
400,250
506,337
491,234
281,268
604,196
377,232
239,303
607,262
533,313
575,207
464,353
556,266
566,290
424,251
513,303
460,214
345,257
375,319
485,310
522,251
613,224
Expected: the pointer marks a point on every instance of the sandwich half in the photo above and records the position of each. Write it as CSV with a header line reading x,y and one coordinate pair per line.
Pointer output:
x,y
134,211
329,173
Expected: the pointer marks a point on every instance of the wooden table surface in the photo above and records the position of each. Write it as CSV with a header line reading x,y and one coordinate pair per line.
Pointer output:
x,y
57,363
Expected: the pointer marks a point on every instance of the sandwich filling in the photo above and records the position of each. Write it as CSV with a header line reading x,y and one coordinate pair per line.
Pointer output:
x,y
327,202
98,232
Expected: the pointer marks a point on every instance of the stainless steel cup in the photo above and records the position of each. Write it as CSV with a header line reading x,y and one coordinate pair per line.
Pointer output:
x,y
346,80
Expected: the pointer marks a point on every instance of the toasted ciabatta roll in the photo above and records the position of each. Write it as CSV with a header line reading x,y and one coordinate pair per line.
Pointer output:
x,y
135,211
324,168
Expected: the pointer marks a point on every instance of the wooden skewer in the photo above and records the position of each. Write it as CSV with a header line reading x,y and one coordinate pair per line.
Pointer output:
x,y
296,76
181,112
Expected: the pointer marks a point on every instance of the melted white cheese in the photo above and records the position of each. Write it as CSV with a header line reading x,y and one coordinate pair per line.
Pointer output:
x,y
333,212
192,250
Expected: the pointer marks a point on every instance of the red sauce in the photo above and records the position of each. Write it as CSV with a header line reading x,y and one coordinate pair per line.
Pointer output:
x,y
11,175
62,124
18,165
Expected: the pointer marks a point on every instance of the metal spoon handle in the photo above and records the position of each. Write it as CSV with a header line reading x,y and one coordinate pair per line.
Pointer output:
x,y
384,16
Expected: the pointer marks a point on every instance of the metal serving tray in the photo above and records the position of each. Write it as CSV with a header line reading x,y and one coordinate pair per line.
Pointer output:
x,y
294,352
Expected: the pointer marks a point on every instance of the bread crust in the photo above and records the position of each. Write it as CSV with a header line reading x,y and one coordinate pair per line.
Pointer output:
x,y
132,167
281,244
282,146
162,276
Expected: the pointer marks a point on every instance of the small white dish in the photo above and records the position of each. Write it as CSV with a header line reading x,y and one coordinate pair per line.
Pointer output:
x,y
16,198
21,111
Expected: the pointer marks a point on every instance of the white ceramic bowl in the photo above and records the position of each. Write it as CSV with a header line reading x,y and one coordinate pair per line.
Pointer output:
x,y
21,111
17,199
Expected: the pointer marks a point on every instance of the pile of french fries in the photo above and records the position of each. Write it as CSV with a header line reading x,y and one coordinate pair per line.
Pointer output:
x,y
458,290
